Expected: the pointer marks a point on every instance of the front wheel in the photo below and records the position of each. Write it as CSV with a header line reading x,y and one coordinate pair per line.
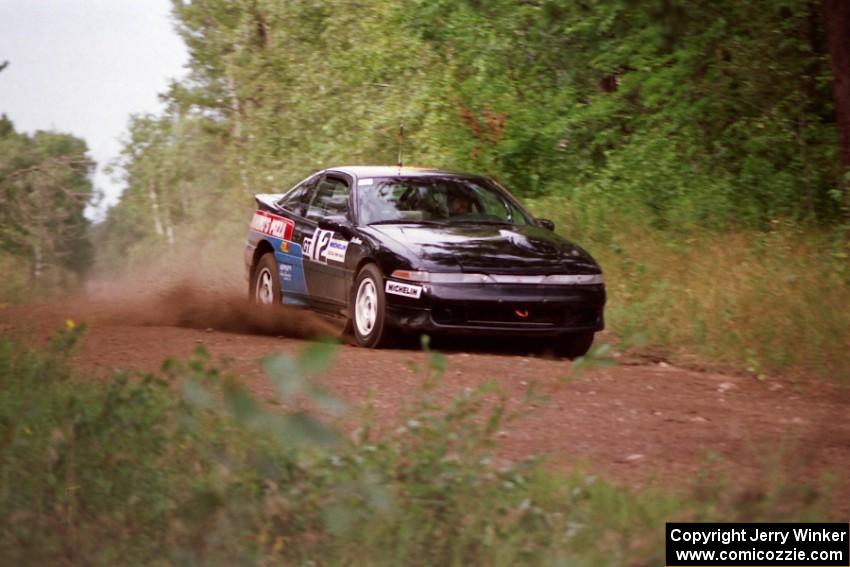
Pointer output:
x,y
369,306
574,345
265,287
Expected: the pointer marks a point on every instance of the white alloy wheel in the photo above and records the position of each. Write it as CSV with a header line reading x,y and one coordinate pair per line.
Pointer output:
x,y
264,291
366,307
367,304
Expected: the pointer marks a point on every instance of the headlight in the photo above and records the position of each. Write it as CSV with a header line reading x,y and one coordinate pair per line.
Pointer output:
x,y
439,277
461,278
411,276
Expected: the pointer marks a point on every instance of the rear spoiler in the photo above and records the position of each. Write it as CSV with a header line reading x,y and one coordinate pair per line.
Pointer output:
x,y
268,201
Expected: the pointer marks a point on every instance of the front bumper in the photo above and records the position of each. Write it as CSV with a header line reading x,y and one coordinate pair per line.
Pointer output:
x,y
500,309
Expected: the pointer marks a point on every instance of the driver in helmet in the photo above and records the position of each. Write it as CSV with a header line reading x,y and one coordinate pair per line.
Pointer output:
x,y
459,204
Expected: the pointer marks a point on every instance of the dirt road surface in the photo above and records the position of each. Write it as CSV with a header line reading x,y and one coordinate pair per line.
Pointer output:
x,y
635,422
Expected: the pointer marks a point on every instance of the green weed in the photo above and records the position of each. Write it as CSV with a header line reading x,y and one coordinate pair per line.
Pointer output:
x,y
765,301
189,466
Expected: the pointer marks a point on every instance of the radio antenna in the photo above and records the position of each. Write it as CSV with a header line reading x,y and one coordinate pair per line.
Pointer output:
x,y
400,145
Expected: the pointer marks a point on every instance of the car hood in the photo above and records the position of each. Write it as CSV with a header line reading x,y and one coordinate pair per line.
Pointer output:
x,y
491,248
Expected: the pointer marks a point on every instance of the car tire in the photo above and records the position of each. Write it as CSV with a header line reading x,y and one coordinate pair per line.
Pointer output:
x,y
368,307
574,345
264,289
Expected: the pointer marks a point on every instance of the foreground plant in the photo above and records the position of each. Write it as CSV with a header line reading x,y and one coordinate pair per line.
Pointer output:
x,y
189,466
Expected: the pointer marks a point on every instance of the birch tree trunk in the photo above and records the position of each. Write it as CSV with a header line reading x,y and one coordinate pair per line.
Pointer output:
x,y
236,108
157,221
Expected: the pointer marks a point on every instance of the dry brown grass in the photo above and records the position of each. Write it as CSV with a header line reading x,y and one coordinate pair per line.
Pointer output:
x,y
776,301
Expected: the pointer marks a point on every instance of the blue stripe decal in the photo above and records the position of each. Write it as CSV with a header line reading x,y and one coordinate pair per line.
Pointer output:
x,y
290,267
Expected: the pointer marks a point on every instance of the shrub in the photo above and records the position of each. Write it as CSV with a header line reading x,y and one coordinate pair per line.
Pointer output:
x,y
137,470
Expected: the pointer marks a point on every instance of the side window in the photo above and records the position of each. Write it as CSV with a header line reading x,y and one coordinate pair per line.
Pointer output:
x,y
297,199
330,199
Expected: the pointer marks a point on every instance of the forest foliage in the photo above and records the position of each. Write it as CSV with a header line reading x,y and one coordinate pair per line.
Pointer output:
x,y
678,113
45,186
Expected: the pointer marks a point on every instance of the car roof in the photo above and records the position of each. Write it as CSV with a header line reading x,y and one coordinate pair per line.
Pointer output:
x,y
362,171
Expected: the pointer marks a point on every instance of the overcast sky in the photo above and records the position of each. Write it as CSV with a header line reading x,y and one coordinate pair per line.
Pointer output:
x,y
83,66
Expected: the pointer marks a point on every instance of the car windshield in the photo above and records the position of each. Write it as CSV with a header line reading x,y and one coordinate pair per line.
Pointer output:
x,y
434,199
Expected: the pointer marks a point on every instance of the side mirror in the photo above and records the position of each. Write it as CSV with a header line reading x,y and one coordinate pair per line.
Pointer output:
x,y
338,224
547,224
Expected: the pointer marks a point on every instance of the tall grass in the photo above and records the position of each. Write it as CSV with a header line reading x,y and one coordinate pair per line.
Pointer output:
x,y
767,301
17,284
187,466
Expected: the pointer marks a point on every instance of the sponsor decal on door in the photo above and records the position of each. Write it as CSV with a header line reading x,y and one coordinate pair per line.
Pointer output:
x,y
285,272
322,247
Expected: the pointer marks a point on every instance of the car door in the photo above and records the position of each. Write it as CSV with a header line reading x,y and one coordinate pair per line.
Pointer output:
x,y
325,251
289,254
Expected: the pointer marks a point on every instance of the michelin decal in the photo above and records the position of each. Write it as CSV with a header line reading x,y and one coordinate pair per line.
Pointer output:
x,y
403,289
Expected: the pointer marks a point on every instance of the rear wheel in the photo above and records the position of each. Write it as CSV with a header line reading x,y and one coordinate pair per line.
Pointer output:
x,y
265,287
574,345
368,307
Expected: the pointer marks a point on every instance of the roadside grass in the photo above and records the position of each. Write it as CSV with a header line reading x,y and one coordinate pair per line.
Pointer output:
x,y
18,286
771,301
187,466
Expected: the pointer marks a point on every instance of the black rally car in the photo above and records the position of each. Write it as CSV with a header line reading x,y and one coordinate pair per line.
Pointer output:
x,y
421,250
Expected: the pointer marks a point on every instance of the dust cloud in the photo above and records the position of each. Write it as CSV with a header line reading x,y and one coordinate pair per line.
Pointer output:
x,y
179,302
202,306
201,284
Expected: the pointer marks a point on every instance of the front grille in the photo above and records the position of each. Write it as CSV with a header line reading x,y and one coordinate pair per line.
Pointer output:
x,y
581,318
515,316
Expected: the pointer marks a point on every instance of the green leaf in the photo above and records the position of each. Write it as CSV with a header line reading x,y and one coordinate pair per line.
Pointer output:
x,y
240,402
316,358
286,376
195,394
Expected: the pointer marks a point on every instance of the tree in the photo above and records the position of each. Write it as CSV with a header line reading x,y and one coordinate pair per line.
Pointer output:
x,y
837,18
676,112
45,185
